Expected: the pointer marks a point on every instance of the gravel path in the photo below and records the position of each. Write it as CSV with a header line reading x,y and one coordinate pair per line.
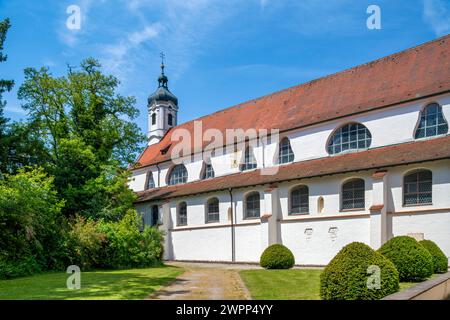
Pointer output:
x,y
206,281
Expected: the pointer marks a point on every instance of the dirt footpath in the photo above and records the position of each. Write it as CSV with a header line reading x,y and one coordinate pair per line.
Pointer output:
x,y
206,282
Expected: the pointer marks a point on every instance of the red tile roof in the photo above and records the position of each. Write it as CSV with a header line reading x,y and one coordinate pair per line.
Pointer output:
x,y
401,154
411,74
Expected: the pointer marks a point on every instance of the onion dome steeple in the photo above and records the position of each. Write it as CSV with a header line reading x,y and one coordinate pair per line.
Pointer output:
x,y
162,93
162,109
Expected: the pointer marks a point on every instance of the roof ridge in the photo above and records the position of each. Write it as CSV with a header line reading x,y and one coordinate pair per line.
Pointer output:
x,y
373,85
329,76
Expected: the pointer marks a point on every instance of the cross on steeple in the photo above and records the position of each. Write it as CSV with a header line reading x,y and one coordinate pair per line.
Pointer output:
x,y
162,55
162,80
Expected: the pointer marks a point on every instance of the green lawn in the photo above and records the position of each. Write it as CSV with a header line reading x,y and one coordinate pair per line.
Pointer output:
x,y
294,284
116,284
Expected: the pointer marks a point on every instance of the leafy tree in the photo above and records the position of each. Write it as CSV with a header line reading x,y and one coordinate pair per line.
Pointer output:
x,y
22,148
5,85
88,134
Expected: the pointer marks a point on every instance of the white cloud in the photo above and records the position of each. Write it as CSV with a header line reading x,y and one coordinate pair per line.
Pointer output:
x,y
149,32
181,31
437,14
117,58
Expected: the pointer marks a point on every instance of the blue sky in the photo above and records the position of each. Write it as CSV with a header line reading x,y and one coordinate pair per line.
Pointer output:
x,y
218,53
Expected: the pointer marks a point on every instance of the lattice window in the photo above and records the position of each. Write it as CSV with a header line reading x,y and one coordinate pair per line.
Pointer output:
x,y
208,171
418,187
150,181
300,200
252,205
432,122
285,153
353,194
212,214
178,175
182,214
249,162
352,136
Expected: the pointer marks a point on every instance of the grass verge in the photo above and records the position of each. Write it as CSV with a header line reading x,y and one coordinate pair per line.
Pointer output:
x,y
96,285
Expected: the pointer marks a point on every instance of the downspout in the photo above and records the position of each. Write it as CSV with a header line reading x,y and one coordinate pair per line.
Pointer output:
x,y
233,244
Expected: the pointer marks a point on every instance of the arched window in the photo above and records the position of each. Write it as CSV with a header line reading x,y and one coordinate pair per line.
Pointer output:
x,y
182,214
170,119
285,153
352,136
212,210
299,203
178,174
252,209
353,193
153,118
208,171
249,161
155,215
432,122
417,188
320,205
150,183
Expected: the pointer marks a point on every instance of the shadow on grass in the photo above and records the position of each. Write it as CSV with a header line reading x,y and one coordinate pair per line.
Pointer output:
x,y
101,284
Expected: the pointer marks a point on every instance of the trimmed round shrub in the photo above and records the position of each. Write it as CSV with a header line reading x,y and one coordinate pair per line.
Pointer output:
x,y
358,272
277,256
412,260
440,260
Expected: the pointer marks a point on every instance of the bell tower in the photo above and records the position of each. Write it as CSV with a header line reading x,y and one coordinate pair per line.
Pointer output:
x,y
162,109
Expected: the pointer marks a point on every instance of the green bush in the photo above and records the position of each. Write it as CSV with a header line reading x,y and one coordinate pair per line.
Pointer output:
x,y
18,267
85,243
440,260
277,256
412,260
348,275
30,214
127,246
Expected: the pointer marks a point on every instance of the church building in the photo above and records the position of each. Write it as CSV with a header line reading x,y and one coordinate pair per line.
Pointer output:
x,y
360,155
